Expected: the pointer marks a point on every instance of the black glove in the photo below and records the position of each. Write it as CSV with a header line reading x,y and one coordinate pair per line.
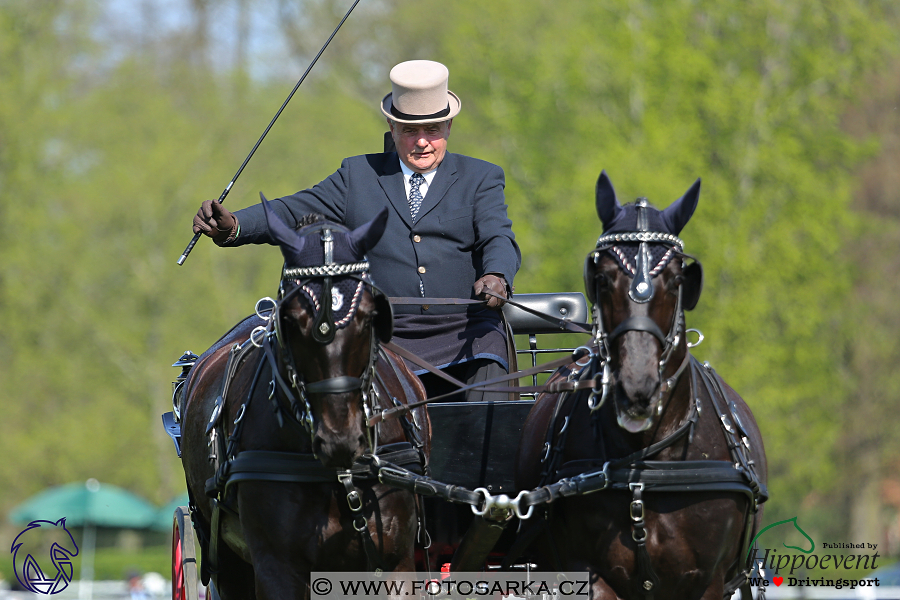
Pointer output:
x,y
215,221
495,284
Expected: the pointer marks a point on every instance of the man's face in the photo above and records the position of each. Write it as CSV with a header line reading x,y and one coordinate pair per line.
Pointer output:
x,y
421,147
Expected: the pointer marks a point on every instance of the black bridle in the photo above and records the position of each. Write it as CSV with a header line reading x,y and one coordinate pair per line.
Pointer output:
x,y
286,377
640,291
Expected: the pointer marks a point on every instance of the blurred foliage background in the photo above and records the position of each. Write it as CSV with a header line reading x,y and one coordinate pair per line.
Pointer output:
x,y
118,118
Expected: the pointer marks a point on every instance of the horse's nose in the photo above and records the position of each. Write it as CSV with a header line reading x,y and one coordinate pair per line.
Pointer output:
x,y
640,390
637,373
338,452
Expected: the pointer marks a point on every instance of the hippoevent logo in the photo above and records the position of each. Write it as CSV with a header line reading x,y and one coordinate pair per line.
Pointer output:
x,y
48,543
777,567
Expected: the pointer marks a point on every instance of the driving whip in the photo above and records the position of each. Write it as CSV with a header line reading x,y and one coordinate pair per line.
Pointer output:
x,y
227,189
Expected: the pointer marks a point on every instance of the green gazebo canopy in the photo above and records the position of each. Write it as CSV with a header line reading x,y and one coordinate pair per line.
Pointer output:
x,y
101,505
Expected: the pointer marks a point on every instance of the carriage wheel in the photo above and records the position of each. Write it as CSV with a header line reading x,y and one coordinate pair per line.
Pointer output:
x,y
184,556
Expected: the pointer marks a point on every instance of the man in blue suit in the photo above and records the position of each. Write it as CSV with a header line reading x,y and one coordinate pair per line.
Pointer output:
x,y
447,236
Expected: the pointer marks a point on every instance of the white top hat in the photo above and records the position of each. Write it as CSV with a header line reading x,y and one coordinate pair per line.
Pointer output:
x,y
419,93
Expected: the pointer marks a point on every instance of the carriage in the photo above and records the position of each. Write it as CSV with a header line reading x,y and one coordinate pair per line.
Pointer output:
x,y
683,456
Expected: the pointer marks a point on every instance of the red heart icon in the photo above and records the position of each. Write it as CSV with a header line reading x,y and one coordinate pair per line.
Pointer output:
x,y
778,580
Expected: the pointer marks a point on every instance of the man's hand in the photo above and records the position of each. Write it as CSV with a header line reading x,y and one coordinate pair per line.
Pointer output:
x,y
495,284
215,221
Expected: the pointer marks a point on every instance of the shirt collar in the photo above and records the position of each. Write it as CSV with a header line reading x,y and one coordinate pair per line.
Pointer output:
x,y
407,173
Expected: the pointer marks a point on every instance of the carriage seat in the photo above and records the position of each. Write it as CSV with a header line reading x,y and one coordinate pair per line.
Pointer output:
x,y
571,306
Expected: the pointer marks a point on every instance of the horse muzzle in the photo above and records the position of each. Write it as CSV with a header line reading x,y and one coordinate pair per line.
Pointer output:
x,y
638,402
338,451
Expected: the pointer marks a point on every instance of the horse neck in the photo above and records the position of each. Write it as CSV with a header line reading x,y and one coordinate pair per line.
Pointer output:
x,y
390,385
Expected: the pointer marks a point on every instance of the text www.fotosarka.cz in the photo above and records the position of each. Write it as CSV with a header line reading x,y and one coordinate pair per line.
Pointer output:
x,y
475,586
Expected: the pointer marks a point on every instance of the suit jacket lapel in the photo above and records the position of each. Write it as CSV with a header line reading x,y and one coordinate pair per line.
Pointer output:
x,y
391,181
444,178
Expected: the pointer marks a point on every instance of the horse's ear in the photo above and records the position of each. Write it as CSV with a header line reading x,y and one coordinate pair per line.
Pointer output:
x,y
384,318
364,238
692,286
280,233
608,207
61,522
291,243
677,214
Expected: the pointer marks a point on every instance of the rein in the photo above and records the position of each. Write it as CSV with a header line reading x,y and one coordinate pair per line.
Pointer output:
x,y
563,324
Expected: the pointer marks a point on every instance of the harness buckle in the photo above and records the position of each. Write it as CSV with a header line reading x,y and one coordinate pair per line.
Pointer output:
x,y
546,452
587,358
700,337
585,477
262,313
361,525
259,333
354,500
605,385
501,507
516,504
240,413
637,505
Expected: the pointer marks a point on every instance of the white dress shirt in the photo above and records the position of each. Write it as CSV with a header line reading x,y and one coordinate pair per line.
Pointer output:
x,y
407,173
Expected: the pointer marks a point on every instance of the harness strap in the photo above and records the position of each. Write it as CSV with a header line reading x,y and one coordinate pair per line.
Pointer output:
x,y
419,362
743,463
395,476
334,385
647,580
291,467
645,324
361,523
563,324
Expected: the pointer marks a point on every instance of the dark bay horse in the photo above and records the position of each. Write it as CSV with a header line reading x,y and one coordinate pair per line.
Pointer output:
x,y
276,451
666,458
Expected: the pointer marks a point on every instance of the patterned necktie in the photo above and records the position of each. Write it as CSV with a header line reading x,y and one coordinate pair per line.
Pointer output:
x,y
415,196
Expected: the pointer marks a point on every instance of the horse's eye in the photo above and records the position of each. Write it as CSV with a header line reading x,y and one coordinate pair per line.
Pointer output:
x,y
603,281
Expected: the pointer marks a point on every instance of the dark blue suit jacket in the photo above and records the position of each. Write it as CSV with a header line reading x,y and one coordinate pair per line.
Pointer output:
x,y
462,230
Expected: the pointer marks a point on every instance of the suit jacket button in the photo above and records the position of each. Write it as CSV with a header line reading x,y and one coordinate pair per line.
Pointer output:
x,y
417,238
426,306
421,269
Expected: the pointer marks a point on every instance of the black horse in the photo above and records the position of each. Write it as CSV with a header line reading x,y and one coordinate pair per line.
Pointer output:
x,y
661,460
276,450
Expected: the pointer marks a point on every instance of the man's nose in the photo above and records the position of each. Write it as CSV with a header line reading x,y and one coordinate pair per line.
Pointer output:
x,y
422,141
